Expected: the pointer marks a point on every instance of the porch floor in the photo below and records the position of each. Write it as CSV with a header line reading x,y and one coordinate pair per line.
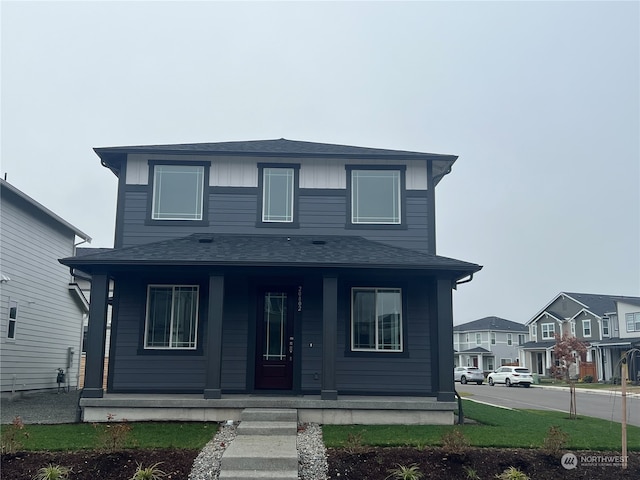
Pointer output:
x,y
347,409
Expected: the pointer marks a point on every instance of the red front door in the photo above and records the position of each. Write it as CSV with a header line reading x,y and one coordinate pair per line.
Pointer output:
x,y
274,336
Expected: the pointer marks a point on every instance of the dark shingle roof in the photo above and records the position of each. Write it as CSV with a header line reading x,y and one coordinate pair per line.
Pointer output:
x,y
601,304
476,350
491,323
538,345
112,157
272,250
280,146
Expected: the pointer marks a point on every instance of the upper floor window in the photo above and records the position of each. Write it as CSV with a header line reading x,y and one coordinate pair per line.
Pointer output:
x,y
586,328
172,317
509,339
573,328
376,195
376,319
534,330
13,318
633,322
605,327
548,330
478,338
278,184
178,192
521,339
493,338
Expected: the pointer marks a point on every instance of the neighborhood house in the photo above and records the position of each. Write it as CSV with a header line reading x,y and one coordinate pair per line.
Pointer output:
x,y
273,273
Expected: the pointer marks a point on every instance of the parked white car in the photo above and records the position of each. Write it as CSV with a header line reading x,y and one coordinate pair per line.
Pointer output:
x,y
468,374
511,376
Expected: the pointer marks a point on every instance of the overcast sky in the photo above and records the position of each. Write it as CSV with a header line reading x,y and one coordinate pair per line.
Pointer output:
x,y
540,100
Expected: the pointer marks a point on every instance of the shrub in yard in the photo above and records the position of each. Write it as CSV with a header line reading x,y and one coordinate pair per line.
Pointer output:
x,y
12,436
52,472
512,473
455,442
471,473
353,444
148,473
587,379
403,472
113,436
555,440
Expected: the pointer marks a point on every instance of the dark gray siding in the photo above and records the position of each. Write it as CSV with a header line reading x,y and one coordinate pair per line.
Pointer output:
x,y
234,210
235,335
387,373
310,344
132,371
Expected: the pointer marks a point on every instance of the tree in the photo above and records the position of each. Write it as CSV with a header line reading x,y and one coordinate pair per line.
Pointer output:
x,y
567,350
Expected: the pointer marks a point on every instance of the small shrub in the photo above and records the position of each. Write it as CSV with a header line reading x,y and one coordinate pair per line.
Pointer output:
x,y
113,436
555,440
471,473
587,379
148,473
402,472
12,436
52,472
455,442
512,473
353,444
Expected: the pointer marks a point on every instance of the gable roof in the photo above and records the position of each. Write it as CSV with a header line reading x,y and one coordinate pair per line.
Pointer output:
x,y
348,251
26,199
491,323
597,304
113,156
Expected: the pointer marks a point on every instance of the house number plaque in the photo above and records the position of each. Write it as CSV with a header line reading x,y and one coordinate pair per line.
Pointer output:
x,y
299,298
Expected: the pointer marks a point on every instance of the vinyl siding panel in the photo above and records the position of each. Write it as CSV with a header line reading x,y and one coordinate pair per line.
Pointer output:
x,y
49,319
234,210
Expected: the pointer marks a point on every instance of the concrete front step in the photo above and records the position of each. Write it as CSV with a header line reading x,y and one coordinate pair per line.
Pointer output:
x,y
269,415
258,474
260,452
252,427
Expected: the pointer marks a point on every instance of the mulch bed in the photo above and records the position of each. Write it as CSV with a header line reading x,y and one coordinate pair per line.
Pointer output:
x,y
369,464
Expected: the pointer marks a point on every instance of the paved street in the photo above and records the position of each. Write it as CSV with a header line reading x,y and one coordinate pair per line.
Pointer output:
x,y
600,404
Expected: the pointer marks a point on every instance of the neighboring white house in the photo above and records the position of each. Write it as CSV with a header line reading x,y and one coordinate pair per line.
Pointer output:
x,y
41,310
488,342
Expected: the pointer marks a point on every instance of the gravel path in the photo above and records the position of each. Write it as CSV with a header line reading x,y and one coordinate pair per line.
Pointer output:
x,y
45,407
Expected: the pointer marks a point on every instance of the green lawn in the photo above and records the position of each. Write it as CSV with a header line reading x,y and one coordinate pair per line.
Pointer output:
x,y
496,428
80,436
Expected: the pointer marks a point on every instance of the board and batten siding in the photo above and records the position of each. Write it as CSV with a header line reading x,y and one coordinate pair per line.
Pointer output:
x,y
49,319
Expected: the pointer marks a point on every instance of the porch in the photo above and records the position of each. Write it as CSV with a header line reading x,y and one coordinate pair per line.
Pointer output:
x,y
311,408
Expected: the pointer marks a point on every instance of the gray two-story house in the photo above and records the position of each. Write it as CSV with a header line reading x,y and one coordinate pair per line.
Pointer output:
x,y
604,323
488,343
273,273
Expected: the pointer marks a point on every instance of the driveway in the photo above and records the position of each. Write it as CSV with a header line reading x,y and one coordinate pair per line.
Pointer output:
x,y
592,403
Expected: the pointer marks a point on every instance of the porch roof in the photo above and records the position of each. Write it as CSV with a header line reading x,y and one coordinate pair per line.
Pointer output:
x,y
538,345
618,341
476,350
335,251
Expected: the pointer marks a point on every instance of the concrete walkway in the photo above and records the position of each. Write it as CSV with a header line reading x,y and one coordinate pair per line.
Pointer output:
x,y
265,447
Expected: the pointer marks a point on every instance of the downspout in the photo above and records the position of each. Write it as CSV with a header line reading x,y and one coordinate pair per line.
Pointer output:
x,y
431,209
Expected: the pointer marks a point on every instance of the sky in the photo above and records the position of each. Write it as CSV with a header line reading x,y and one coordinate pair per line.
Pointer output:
x,y
540,101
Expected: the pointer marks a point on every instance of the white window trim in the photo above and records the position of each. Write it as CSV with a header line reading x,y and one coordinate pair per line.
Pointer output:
x,y
196,319
553,331
493,338
585,323
606,325
634,323
509,339
377,340
13,305
478,339
534,330
573,328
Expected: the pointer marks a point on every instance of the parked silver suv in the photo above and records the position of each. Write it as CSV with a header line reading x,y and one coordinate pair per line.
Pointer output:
x,y
468,374
511,376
